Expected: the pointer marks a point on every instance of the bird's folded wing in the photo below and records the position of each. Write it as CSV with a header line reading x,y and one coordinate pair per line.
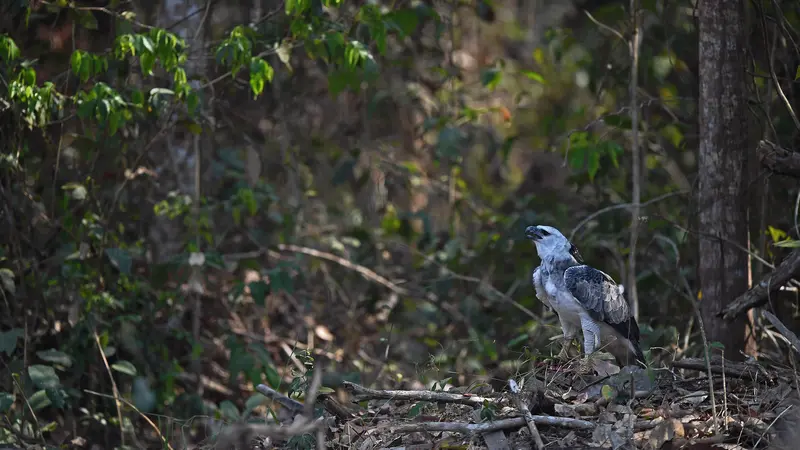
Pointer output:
x,y
597,293
541,293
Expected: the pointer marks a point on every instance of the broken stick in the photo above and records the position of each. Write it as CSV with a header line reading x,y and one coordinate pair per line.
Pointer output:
x,y
778,159
495,425
769,284
526,413
361,393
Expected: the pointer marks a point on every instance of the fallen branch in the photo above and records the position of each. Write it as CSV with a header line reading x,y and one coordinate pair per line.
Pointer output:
x,y
294,407
791,337
291,404
778,159
526,414
730,368
239,435
769,284
486,427
360,393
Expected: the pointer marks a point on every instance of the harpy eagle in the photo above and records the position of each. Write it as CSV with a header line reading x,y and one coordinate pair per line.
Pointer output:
x,y
584,298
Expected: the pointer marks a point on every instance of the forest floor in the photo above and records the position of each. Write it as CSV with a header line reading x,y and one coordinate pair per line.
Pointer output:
x,y
553,407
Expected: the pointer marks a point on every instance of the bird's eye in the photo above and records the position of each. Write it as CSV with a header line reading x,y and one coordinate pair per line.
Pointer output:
x,y
545,232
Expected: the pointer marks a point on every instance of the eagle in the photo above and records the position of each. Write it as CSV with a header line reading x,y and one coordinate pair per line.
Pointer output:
x,y
585,299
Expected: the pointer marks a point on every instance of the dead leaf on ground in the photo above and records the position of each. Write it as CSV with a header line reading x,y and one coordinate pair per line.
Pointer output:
x,y
665,432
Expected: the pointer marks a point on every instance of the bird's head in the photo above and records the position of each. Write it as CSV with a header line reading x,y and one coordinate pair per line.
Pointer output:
x,y
550,242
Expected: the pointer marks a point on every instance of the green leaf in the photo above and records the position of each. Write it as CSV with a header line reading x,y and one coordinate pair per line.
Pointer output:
x,y
254,402
85,68
614,151
273,379
517,340
7,283
39,400
449,142
788,243
607,392
260,73
535,76
8,49
416,409
6,402
75,62
161,91
192,102
43,377
240,362
57,397
229,410
147,60
593,163
797,74
403,20
8,340
339,80
145,44
113,122
56,357
505,149
491,78
776,234
618,120
121,259
259,290
124,367
87,19
280,280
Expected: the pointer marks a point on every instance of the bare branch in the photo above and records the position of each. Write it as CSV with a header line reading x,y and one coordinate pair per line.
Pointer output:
x,y
485,427
791,337
778,159
362,393
526,413
636,173
731,368
769,284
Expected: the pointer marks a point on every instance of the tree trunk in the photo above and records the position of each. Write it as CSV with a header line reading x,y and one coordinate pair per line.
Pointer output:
x,y
722,203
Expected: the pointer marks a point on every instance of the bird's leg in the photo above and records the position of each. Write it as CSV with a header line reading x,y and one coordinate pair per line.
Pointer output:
x,y
590,334
566,345
570,331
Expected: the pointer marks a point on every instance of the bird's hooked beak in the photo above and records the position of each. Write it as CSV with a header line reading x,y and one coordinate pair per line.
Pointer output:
x,y
533,233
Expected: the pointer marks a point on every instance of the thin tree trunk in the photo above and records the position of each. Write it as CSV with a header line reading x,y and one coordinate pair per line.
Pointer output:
x,y
636,172
722,203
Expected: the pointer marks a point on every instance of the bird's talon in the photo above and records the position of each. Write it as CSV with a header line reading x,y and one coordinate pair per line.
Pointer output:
x,y
585,366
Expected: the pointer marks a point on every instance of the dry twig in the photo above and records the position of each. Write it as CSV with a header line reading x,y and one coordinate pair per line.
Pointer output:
x,y
791,337
768,285
526,413
485,427
361,393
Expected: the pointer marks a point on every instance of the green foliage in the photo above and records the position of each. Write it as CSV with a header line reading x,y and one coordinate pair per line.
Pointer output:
x,y
585,153
279,248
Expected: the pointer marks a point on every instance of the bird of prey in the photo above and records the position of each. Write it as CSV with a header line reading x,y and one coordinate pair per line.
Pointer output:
x,y
585,299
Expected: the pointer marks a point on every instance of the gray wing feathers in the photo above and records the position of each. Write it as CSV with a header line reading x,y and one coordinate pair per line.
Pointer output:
x,y
598,293
541,293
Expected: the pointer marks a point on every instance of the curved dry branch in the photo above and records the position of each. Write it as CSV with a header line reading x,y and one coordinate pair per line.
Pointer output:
x,y
769,284
361,393
778,159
